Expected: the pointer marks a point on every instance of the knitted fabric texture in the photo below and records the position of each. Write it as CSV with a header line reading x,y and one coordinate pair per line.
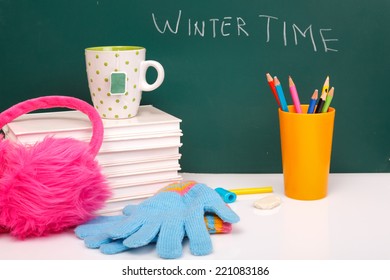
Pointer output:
x,y
94,232
173,213
181,188
213,223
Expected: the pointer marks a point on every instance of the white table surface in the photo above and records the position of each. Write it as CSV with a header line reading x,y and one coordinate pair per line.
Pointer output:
x,y
352,223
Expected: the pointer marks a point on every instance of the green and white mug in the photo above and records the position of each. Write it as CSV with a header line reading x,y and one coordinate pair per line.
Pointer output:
x,y
117,78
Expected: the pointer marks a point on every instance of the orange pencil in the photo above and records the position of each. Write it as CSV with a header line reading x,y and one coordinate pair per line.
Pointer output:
x,y
272,86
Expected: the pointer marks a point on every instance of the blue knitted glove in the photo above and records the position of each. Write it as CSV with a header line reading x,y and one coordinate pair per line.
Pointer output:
x,y
94,232
94,236
174,212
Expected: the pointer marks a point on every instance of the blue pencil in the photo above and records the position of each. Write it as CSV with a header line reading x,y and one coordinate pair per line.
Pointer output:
x,y
313,102
279,90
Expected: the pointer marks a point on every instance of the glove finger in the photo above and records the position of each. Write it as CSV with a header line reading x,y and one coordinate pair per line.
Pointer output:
x,y
94,242
84,231
114,247
143,236
129,209
125,228
212,202
96,226
170,239
200,241
223,211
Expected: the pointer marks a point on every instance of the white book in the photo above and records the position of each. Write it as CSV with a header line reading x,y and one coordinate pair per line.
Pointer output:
x,y
120,157
131,142
140,190
143,177
141,143
75,124
142,165
134,173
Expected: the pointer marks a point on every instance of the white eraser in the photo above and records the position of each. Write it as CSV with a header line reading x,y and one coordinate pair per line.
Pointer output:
x,y
268,202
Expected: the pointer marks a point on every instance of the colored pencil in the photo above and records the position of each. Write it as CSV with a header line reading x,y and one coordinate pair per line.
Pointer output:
x,y
325,87
294,95
328,100
273,89
313,101
279,90
321,102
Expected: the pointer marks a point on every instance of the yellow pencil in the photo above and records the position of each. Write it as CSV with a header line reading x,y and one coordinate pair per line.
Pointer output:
x,y
325,87
252,190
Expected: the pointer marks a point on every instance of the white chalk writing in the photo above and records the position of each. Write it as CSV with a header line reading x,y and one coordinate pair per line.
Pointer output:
x,y
214,27
295,28
167,25
327,40
229,26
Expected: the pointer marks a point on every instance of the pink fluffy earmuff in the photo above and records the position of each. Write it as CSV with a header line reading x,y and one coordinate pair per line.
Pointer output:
x,y
54,184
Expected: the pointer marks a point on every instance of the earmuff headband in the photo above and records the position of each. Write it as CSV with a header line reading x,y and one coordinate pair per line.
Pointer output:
x,y
46,102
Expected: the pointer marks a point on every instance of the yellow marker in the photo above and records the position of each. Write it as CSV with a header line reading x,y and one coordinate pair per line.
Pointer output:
x,y
252,190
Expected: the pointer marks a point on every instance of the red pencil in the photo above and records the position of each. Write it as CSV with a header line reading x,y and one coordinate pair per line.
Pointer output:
x,y
272,86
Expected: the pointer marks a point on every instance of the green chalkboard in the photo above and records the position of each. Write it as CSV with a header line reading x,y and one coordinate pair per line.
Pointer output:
x,y
216,54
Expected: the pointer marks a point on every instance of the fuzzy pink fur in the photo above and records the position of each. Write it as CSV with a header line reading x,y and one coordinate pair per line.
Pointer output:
x,y
54,184
48,187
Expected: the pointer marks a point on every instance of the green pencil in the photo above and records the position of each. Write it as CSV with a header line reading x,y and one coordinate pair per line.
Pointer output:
x,y
328,100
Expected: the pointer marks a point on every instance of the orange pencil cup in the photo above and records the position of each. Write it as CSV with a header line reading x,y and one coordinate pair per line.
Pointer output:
x,y
306,143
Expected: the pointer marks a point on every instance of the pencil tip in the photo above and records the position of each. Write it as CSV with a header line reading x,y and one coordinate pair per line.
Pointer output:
x,y
290,81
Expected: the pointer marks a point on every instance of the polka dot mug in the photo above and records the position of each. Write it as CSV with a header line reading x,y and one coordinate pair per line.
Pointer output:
x,y
117,77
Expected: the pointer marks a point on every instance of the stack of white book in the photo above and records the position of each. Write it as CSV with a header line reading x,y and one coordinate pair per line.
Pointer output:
x,y
138,156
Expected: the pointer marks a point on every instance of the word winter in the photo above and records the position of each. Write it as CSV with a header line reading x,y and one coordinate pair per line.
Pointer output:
x,y
237,26
216,26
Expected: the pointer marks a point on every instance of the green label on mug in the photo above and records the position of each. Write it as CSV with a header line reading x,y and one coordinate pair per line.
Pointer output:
x,y
118,83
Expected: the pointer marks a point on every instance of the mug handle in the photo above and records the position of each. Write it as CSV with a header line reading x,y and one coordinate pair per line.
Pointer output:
x,y
145,86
